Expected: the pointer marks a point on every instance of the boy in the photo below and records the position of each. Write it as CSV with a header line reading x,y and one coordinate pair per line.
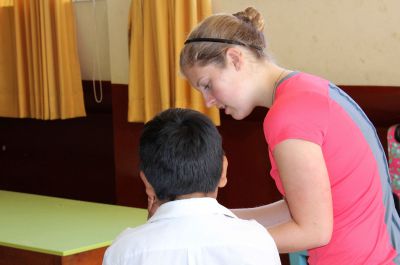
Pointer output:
x,y
182,167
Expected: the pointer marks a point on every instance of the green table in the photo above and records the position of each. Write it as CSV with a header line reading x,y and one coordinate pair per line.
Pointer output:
x,y
59,231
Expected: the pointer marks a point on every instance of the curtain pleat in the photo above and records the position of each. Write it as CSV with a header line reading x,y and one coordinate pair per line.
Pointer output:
x,y
158,30
39,60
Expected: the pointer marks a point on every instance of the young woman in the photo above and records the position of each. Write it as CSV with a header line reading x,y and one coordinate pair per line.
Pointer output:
x,y
326,158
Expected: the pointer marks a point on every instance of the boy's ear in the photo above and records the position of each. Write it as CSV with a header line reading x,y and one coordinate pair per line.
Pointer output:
x,y
223,180
235,57
149,189
152,202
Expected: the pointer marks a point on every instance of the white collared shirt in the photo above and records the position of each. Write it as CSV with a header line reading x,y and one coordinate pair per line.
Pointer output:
x,y
193,232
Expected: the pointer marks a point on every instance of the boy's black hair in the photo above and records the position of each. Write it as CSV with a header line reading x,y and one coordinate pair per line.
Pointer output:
x,y
181,153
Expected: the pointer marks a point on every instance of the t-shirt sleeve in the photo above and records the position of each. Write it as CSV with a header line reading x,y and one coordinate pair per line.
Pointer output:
x,y
297,116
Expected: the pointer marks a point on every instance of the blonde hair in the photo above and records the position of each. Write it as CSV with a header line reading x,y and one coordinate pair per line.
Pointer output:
x,y
245,27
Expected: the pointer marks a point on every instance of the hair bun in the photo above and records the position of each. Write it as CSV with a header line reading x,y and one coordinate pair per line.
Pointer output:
x,y
252,16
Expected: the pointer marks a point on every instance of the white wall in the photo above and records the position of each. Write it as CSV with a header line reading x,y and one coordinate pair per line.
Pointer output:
x,y
92,37
353,42
118,18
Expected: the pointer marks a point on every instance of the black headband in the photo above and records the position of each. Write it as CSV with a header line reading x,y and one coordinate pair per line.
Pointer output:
x,y
223,41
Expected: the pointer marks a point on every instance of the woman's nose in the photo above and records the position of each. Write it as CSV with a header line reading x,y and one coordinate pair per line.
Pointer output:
x,y
209,99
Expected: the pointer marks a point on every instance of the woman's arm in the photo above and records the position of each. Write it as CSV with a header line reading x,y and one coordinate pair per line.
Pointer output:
x,y
306,183
267,215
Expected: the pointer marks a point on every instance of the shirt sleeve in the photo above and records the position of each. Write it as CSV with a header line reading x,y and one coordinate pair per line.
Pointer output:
x,y
297,116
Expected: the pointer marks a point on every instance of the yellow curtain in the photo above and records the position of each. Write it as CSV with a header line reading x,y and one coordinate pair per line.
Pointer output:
x,y
39,68
158,29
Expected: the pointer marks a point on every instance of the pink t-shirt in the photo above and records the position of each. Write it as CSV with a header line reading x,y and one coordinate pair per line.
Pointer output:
x,y
310,108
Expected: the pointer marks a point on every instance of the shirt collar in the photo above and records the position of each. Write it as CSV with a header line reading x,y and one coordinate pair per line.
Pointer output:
x,y
190,207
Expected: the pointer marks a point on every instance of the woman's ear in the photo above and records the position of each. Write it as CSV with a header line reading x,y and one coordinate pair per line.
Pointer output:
x,y
235,56
223,180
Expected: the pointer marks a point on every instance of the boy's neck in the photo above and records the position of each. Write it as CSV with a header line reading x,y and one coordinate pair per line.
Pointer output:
x,y
198,195
158,203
